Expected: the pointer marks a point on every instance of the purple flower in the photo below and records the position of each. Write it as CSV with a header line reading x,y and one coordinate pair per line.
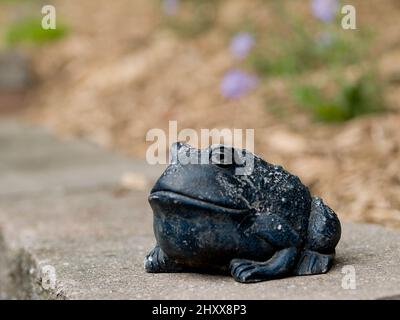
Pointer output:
x,y
237,83
170,7
241,44
325,10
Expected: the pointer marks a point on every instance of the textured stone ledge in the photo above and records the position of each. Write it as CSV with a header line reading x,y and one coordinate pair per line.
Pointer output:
x,y
71,227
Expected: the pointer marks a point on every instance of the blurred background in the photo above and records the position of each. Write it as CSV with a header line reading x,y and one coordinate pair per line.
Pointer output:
x,y
324,101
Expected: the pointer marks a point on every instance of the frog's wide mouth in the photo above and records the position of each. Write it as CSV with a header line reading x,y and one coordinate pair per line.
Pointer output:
x,y
179,199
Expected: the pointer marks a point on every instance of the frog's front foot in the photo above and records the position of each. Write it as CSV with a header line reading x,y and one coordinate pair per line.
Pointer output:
x,y
246,270
281,264
157,261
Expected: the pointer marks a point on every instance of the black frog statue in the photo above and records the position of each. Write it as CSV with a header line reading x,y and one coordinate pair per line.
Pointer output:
x,y
258,226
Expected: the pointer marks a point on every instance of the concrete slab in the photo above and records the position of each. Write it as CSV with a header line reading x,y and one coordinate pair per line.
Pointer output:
x,y
32,161
88,242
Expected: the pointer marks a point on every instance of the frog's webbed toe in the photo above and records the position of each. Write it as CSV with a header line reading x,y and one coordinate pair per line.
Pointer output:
x,y
245,270
280,265
157,261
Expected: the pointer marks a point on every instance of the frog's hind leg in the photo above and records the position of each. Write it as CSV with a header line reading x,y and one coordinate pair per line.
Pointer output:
x,y
277,232
322,237
312,262
157,261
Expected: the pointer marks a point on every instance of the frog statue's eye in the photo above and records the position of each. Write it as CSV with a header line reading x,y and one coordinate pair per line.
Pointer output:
x,y
224,156
175,148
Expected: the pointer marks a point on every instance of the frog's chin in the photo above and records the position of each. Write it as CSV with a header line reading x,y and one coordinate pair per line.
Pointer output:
x,y
175,199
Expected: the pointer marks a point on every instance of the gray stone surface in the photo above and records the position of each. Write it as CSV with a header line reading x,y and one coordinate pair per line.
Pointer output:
x,y
63,217
32,162
15,73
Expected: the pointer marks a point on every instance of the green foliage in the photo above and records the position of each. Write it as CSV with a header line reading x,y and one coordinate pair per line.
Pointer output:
x,y
351,99
301,46
266,65
303,54
29,30
13,1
